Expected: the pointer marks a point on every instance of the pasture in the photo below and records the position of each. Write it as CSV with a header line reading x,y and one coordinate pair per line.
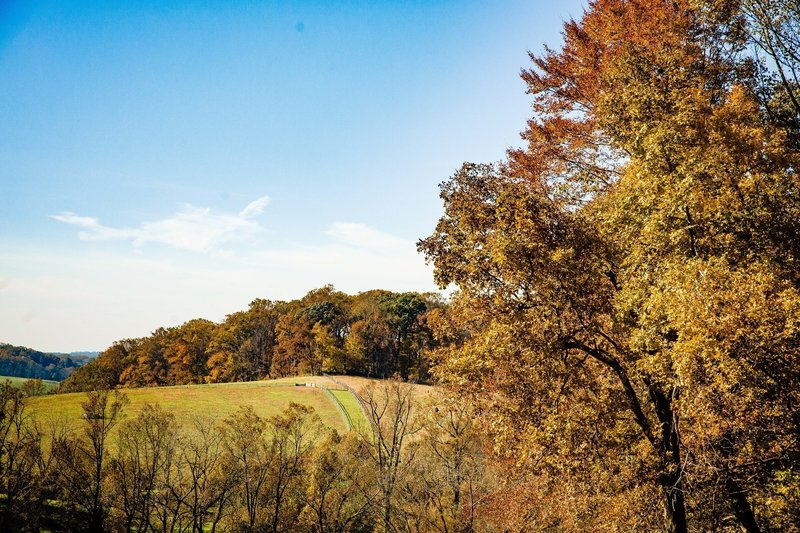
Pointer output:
x,y
212,403
17,382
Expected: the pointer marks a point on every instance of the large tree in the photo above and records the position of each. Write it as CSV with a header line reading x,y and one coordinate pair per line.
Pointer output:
x,y
629,279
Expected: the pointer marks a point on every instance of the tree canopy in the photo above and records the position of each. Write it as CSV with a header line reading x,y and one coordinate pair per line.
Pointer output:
x,y
375,333
628,280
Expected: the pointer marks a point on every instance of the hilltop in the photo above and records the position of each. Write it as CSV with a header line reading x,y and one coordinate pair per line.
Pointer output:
x,y
376,333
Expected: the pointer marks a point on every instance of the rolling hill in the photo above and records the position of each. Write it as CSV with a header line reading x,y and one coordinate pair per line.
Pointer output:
x,y
215,402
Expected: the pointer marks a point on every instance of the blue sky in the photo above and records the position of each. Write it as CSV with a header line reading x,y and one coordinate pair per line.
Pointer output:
x,y
161,161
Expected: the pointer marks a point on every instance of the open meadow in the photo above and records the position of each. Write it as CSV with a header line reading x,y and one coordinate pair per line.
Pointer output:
x,y
17,382
215,402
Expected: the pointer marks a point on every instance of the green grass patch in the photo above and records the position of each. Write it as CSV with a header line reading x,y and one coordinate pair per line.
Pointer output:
x,y
353,409
17,382
213,402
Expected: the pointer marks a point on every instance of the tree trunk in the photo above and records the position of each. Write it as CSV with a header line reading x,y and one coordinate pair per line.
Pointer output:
x,y
669,445
741,507
96,522
387,517
674,504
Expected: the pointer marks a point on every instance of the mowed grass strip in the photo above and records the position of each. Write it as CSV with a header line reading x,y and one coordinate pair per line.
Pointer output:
x,y
212,402
17,382
353,408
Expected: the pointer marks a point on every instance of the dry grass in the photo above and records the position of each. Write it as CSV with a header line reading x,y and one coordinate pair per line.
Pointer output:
x,y
358,384
212,402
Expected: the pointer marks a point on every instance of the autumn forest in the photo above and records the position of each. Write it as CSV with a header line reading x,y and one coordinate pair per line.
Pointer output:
x,y
376,334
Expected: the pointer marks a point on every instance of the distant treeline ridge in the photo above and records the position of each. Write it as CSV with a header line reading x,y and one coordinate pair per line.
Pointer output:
x,y
375,333
22,362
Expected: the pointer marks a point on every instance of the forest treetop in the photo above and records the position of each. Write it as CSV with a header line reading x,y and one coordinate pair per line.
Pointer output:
x,y
374,333
630,278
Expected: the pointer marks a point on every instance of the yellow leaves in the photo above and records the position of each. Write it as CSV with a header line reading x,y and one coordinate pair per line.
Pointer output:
x,y
731,326
561,255
641,254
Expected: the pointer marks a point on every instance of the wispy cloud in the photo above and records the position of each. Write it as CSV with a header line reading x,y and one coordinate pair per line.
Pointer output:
x,y
365,237
255,208
196,229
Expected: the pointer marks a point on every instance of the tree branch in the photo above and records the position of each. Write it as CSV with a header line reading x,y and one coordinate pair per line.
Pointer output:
x,y
630,393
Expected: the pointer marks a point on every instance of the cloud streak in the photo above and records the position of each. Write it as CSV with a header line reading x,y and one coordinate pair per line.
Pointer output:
x,y
255,208
195,229
364,237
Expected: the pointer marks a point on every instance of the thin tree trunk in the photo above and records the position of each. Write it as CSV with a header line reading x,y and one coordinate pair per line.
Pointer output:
x,y
674,505
741,507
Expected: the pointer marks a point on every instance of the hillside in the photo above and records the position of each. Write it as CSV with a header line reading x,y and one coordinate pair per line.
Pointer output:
x,y
214,402
86,355
22,362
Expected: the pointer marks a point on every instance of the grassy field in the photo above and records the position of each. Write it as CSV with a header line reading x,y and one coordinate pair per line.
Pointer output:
x,y
215,402
351,405
48,385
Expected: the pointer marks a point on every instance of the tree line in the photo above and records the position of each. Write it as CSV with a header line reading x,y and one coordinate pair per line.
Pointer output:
x,y
18,361
375,333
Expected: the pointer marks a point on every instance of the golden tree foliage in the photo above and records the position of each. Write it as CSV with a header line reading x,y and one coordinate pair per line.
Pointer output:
x,y
629,281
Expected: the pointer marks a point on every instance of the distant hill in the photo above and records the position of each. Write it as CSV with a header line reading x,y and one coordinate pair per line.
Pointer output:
x,y
376,333
19,361
87,355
